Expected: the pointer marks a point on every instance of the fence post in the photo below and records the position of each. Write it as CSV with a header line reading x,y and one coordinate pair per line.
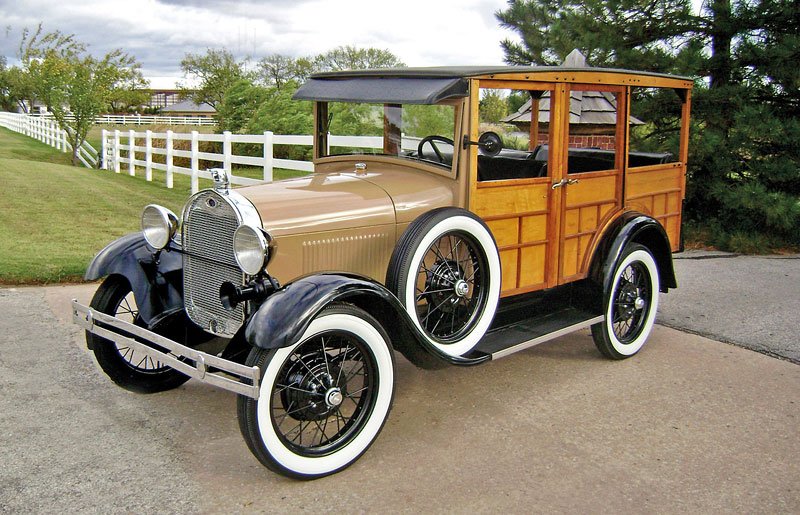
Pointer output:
x,y
103,150
226,151
268,156
148,155
63,135
131,153
169,159
116,151
195,161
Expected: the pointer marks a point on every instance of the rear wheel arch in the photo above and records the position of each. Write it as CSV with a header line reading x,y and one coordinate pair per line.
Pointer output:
x,y
637,228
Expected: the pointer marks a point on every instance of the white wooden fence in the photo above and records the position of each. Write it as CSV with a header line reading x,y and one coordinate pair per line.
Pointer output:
x,y
47,131
127,150
136,119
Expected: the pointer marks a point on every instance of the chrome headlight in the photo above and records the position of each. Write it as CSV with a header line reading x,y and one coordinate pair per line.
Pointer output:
x,y
159,225
251,247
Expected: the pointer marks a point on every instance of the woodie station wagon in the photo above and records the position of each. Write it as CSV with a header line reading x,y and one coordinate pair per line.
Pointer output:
x,y
443,243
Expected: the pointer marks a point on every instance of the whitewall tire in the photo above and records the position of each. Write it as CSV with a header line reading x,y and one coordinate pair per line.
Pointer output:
x,y
630,305
324,399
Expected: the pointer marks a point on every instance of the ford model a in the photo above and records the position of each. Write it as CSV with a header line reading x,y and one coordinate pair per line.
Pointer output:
x,y
428,234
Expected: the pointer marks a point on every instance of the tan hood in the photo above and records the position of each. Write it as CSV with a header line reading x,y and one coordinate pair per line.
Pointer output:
x,y
320,202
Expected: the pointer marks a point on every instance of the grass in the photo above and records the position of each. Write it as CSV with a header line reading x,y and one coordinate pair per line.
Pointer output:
x,y
56,217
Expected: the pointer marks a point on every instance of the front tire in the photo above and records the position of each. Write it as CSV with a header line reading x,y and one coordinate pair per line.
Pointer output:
x,y
630,306
322,400
125,366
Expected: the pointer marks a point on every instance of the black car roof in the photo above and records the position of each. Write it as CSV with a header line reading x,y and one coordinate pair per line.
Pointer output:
x,y
421,85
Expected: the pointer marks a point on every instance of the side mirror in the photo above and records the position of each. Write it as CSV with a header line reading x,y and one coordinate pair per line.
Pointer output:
x,y
489,143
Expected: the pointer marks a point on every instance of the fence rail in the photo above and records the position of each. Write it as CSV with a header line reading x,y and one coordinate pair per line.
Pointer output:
x,y
47,131
136,119
131,150
127,150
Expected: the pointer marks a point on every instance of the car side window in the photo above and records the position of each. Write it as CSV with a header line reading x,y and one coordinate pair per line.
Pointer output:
x,y
522,120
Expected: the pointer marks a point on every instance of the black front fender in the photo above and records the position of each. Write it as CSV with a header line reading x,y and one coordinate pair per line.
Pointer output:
x,y
157,284
283,318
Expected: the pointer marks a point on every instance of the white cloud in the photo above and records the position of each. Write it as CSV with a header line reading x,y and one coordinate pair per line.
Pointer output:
x,y
160,33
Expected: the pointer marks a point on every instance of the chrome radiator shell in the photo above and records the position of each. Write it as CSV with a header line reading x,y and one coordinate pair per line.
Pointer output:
x,y
209,221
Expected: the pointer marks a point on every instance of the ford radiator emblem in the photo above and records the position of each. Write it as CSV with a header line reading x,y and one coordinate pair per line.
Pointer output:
x,y
212,203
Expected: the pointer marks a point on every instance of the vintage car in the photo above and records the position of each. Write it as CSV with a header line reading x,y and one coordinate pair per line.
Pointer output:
x,y
435,240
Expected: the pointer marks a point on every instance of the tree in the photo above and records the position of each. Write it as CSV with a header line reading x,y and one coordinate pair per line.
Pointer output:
x,y
130,91
74,85
216,71
744,166
353,58
279,70
238,105
493,106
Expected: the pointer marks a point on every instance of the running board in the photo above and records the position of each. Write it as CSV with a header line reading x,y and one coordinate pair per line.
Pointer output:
x,y
524,334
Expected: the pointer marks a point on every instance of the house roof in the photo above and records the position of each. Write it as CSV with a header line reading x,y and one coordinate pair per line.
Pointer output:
x,y
187,106
585,107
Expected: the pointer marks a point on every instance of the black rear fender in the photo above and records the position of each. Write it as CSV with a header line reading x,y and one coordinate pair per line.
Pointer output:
x,y
157,284
284,316
632,227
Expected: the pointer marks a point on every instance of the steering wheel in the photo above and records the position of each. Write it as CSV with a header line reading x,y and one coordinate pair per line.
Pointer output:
x,y
432,141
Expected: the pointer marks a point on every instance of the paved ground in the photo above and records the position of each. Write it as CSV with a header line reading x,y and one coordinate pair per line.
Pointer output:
x,y
689,424
752,301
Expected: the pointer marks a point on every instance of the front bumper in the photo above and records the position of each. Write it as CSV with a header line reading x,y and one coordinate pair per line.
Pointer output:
x,y
202,366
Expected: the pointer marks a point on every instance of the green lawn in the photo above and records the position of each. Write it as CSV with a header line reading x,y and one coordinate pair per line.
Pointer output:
x,y
56,217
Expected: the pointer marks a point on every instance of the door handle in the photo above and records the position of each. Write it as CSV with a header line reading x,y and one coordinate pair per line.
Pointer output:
x,y
564,182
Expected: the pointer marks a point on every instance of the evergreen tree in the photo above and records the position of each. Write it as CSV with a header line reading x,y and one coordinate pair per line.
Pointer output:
x,y
744,163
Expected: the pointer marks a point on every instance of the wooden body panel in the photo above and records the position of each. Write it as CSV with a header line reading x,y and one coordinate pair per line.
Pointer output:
x,y
658,191
517,214
547,236
588,205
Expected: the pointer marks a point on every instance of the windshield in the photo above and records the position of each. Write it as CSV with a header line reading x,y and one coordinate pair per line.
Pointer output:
x,y
410,131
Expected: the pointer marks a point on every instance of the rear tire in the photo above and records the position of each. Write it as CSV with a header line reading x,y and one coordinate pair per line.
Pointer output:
x,y
630,306
322,400
125,366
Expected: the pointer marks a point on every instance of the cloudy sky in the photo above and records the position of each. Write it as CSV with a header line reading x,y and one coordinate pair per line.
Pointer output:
x,y
160,32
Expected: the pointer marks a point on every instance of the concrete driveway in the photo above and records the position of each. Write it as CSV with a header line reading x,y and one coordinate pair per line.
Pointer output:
x,y
689,424
751,301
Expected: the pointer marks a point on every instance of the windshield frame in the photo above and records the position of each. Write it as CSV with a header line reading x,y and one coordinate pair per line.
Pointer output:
x,y
321,110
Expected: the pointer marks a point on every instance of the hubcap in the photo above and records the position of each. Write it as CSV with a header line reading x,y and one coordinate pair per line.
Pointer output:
x,y
333,397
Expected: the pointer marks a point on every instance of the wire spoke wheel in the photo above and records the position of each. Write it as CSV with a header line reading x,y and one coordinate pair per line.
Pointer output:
x,y
450,287
324,391
126,366
128,311
323,400
445,271
631,304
